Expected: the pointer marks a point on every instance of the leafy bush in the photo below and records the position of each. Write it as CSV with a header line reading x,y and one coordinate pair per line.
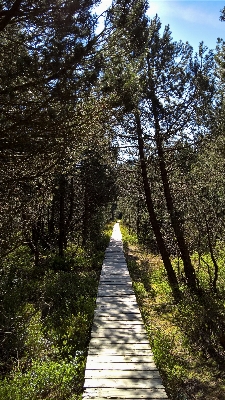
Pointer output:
x,y
44,380
46,321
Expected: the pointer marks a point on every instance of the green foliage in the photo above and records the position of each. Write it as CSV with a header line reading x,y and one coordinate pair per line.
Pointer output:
x,y
45,380
46,321
128,236
187,338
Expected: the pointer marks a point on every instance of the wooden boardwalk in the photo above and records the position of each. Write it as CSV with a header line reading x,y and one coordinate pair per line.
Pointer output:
x,y
120,362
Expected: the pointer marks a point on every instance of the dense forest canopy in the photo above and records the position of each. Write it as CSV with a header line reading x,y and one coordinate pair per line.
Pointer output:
x,y
73,98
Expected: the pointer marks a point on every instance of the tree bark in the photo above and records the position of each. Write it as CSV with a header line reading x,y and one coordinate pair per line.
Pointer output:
x,y
152,215
10,14
216,267
174,217
61,241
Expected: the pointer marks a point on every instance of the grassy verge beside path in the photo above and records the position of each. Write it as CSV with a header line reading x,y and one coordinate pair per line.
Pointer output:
x,y
186,338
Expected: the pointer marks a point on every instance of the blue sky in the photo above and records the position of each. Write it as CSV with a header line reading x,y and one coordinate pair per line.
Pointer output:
x,y
190,20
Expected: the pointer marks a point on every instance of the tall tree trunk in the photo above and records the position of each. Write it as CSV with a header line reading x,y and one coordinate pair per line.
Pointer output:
x,y
71,206
152,215
216,267
174,217
85,230
61,241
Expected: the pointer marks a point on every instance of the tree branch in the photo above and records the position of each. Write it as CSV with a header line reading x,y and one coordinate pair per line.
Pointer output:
x,y
10,14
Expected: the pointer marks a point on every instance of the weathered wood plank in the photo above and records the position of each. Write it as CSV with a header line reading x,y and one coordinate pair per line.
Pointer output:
x,y
120,359
117,317
112,340
114,273
116,347
135,383
117,314
115,258
130,366
123,350
116,324
115,292
118,310
123,299
107,332
111,343
118,279
119,394
120,269
115,276
129,330
121,374
123,288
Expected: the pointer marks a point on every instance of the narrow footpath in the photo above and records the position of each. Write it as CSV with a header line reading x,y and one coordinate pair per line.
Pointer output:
x,y
120,362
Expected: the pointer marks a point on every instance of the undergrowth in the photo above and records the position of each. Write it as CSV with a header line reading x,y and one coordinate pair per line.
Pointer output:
x,y
188,338
45,322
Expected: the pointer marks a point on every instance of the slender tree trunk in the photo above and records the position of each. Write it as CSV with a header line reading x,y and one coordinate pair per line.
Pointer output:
x,y
71,207
86,221
216,267
152,215
61,241
174,217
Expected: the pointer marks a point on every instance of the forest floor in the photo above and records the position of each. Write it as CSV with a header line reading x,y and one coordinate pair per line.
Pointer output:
x,y
186,338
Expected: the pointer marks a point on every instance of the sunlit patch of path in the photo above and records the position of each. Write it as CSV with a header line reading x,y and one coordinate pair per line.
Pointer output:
x,y
120,362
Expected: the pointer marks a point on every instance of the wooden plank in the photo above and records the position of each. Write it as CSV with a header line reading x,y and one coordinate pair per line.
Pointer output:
x,y
114,257
118,270
114,280
121,374
104,332
114,273
117,318
110,253
120,359
135,383
113,261
114,292
118,277
118,309
124,346
136,339
114,250
114,287
117,314
101,341
143,366
119,394
121,299
117,323
114,264
123,330
117,304
124,349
